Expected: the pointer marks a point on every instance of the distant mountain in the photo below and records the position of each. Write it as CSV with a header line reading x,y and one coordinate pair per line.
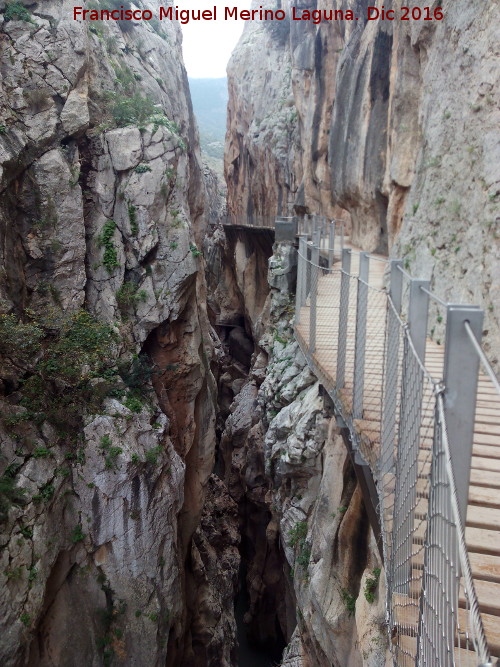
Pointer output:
x,y
210,107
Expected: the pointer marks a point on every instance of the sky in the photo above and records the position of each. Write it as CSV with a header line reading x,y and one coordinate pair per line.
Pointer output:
x,y
207,45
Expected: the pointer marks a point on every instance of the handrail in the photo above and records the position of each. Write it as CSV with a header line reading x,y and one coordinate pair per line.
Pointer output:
x,y
434,297
486,364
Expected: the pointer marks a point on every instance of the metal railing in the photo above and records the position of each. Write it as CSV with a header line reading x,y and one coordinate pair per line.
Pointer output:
x,y
409,405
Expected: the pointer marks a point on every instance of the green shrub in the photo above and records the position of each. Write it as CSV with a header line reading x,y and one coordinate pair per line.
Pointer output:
x,y
131,109
77,535
41,452
153,454
111,456
297,537
304,555
3,128
57,389
16,11
10,493
110,452
25,619
349,600
133,403
194,250
45,493
124,76
142,168
371,585
19,339
297,534
136,373
129,295
132,217
110,257
26,531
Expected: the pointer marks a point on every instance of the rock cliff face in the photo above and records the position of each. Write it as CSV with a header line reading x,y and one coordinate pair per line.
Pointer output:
x,y
390,124
306,545
107,395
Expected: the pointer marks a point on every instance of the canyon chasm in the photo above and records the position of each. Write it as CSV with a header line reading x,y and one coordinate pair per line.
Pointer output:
x,y
174,487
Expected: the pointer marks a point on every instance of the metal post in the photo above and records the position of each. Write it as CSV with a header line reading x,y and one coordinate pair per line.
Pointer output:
x,y
308,270
409,434
391,367
418,311
300,290
331,244
360,338
314,290
461,366
343,315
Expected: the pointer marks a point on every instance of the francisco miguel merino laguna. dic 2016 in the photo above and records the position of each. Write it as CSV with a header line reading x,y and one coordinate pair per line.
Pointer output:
x,y
234,13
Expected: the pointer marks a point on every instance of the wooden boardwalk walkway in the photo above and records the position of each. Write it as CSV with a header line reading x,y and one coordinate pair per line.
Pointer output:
x,y
483,513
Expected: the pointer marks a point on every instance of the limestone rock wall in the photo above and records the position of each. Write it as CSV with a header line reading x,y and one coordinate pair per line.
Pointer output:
x,y
388,124
305,540
107,395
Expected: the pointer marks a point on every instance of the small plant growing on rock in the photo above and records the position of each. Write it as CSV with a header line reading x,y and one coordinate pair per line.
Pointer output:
x,y
349,600
142,168
129,295
75,175
77,535
194,250
41,452
10,493
133,403
153,454
131,109
46,493
371,585
13,574
16,11
297,537
110,453
26,531
25,619
132,217
110,257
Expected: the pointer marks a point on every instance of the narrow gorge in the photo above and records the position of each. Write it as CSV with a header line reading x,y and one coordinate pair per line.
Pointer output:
x,y
175,488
